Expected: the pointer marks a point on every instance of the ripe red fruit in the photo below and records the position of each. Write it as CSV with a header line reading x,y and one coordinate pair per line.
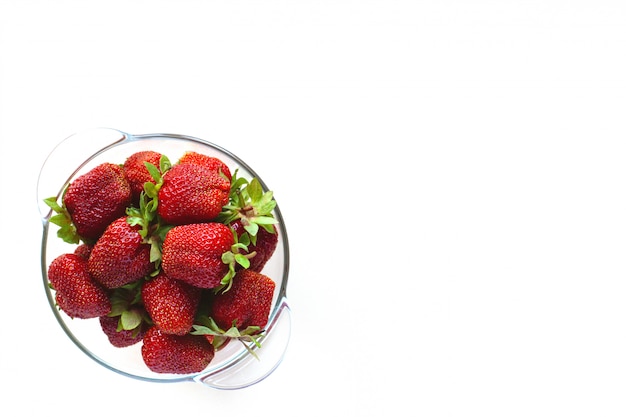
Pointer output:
x,y
83,250
96,198
264,248
171,303
120,338
192,193
136,172
193,253
247,303
215,164
120,256
173,354
77,294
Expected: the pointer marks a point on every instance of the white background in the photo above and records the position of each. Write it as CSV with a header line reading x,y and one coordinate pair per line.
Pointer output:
x,y
451,175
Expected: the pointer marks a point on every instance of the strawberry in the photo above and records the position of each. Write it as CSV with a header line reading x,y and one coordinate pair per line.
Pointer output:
x,y
171,303
250,211
214,164
173,354
83,250
136,172
264,247
117,336
77,294
205,326
247,303
96,198
193,253
192,193
128,320
120,256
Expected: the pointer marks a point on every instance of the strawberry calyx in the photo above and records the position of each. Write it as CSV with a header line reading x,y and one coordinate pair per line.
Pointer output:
x,y
250,204
127,305
208,327
152,229
146,213
152,189
156,245
234,257
143,215
67,231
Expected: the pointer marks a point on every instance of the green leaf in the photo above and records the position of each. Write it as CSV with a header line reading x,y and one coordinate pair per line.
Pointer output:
x,y
264,220
134,221
255,190
69,234
227,216
136,332
209,322
164,164
244,239
228,257
60,220
239,183
150,189
266,204
232,332
242,260
155,251
251,330
154,171
251,228
52,203
117,308
238,246
203,330
227,280
151,207
67,231
161,232
269,228
130,319
218,341
133,211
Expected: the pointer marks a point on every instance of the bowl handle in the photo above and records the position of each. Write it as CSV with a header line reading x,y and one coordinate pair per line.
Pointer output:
x,y
249,370
82,146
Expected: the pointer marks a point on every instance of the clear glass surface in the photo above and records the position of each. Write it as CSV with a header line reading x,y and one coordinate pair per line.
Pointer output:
x,y
233,366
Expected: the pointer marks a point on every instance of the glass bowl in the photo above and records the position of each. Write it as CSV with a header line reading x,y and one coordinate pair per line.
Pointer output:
x,y
233,366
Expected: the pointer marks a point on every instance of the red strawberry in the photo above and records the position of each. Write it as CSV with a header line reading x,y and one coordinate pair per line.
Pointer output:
x,y
96,198
136,172
119,337
264,247
171,303
83,250
76,292
192,193
193,253
173,354
120,256
215,164
247,303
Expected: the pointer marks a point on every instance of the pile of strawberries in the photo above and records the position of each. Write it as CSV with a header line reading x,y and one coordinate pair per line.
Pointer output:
x,y
170,255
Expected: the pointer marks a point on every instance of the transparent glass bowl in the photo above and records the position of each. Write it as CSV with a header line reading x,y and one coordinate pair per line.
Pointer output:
x,y
233,367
